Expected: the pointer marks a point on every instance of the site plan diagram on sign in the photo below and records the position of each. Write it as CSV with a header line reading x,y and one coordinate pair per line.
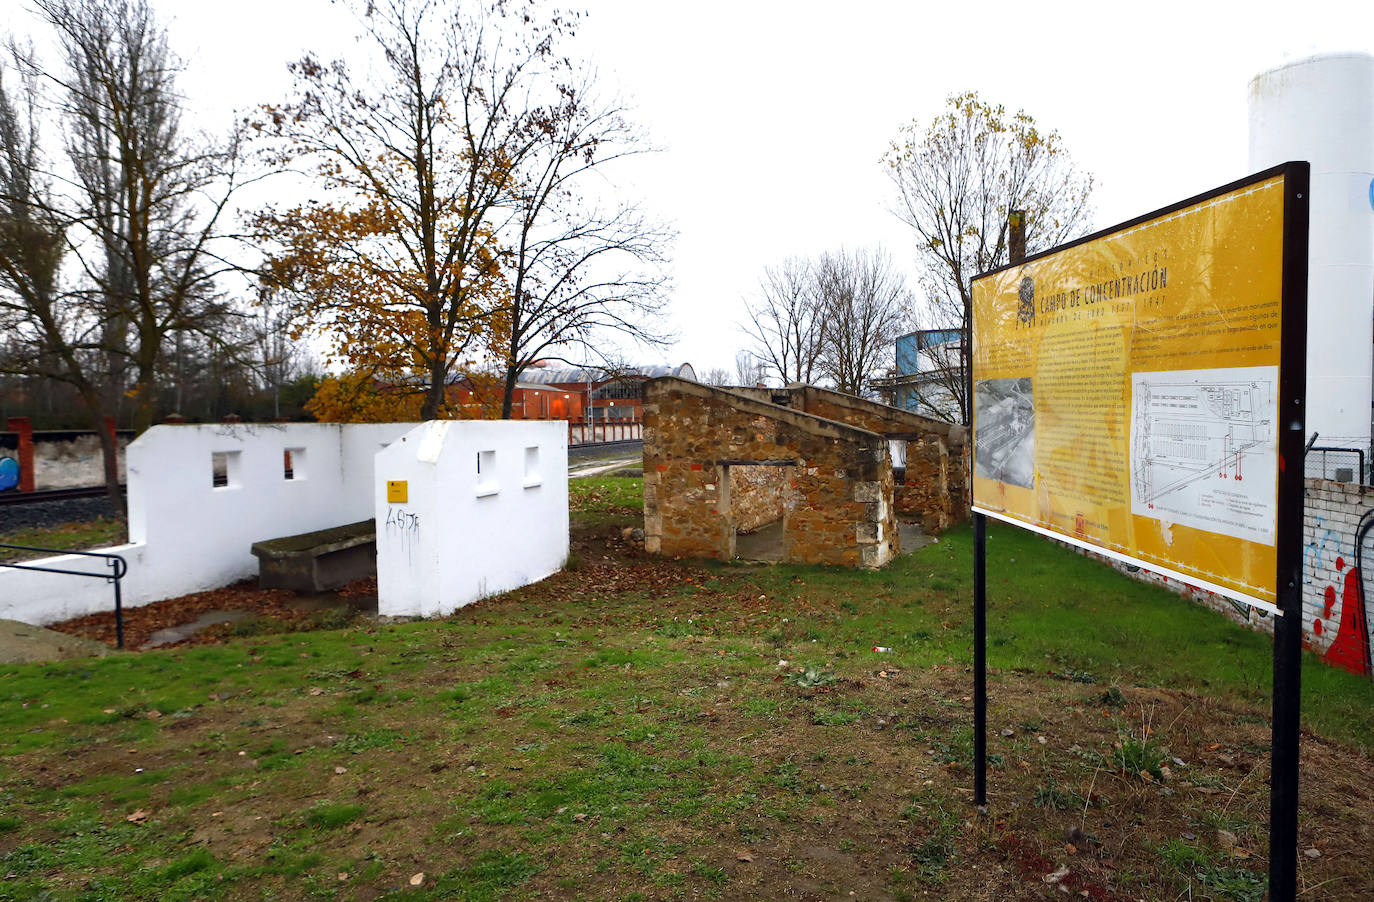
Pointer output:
x,y
1204,449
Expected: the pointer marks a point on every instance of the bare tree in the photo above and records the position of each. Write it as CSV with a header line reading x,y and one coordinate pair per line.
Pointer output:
x,y
717,376
784,322
749,370
579,268
276,357
865,305
111,254
48,331
146,203
956,181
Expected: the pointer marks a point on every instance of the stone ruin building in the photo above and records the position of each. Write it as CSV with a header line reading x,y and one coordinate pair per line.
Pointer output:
x,y
721,463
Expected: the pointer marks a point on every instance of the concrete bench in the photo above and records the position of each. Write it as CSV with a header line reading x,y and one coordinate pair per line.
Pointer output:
x,y
318,561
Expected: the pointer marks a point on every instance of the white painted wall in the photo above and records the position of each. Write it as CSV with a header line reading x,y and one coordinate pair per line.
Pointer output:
x,y
186,535
460,535
1322,110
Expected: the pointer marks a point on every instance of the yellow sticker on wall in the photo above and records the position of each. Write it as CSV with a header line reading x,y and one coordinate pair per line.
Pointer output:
x,y
397,491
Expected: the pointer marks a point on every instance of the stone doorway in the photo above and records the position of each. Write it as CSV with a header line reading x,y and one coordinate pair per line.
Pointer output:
x,y
756,497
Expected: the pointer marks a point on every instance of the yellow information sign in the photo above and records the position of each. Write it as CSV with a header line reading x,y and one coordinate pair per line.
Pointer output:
x,y
1126,391
397,491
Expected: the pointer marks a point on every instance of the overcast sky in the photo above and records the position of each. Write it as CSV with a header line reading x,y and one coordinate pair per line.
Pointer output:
x,y
773,115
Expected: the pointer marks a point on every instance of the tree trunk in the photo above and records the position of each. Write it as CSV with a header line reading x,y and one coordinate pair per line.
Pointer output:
x,y
965,393
145,405
109,453
145,385
508,397
434,395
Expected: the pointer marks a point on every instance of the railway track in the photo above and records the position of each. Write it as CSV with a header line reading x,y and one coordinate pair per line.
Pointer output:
x,y
10,498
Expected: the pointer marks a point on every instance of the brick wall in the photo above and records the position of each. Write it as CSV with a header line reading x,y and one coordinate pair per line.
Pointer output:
x,y
837,505
1333,623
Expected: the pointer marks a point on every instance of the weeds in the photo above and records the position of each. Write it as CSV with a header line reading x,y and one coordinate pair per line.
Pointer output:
x,y
1137,757
934,850
1050,795
330,816
679,629
835,718
1208,868
811,677
1077,676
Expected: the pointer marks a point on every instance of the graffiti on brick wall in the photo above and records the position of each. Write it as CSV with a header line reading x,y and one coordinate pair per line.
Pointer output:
x,y
1326,543
1340,622
1350,649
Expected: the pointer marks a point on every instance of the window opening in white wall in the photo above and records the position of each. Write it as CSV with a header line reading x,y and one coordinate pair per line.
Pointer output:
x,y
293,463
224,469
532,475
486,473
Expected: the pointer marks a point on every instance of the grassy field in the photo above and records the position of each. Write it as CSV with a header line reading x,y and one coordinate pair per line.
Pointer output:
x,y
635,728
90,534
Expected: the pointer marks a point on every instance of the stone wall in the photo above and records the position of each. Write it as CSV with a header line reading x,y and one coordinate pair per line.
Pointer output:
x,y
936,489
874,417
837,505
61,459
73,461
759,495
936,485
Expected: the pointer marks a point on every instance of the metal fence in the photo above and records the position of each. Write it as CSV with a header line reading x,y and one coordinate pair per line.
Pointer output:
x,y
118,568
1339,464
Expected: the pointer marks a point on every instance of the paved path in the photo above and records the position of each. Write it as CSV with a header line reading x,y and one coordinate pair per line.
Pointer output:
x,y
21,643
603,465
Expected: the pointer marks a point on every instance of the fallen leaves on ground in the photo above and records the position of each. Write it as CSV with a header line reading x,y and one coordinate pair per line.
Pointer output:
x,y
142,622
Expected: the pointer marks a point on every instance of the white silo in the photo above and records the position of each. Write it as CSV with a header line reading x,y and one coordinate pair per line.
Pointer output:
x,y
1321,109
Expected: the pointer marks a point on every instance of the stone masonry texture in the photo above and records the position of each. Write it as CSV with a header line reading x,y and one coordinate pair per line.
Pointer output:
x,y
705,450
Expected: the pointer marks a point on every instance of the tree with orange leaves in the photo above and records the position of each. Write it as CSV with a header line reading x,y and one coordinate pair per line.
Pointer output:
x,y
358,397
398,257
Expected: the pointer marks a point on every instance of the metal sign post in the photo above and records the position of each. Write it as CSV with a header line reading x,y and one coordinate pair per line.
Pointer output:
x,y
980,660
1016,244
1287,687
1140,393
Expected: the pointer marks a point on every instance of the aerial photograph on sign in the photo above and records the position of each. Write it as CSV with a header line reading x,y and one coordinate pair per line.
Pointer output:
x,y
1006,443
